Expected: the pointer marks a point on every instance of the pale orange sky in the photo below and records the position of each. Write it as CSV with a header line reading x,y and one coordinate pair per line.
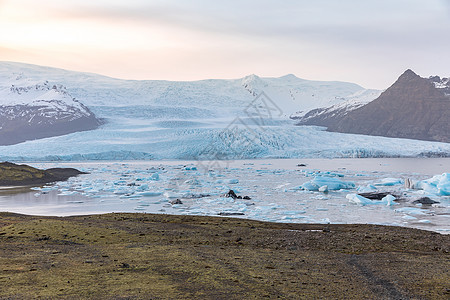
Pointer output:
x,y
367,42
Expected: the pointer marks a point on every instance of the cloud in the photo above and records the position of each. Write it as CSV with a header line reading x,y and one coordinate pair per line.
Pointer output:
x,y
319,37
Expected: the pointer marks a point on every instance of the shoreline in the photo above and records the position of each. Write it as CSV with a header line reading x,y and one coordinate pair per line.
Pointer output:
x,y
427,165
162,256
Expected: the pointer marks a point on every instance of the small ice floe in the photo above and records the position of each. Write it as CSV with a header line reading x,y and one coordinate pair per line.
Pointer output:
x,y
154,177
332,174
358,199
232,181
438,185
361,200
323,189
410,210
408,217
366,189
130,196
424,221
271,206
389,182
190,168
142,187
68,193
171,195
122,191
332,183
149,194
388,200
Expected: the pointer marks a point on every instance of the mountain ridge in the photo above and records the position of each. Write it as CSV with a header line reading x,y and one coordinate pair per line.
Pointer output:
x,y
29,112
413,107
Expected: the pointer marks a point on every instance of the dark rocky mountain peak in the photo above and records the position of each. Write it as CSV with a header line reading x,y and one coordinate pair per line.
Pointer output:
x,y
413,107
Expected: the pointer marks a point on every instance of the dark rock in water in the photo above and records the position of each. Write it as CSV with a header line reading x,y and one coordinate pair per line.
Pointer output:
x,y
425,200
16,175
301,165
193,196
376,195
177,201
232,194
231,214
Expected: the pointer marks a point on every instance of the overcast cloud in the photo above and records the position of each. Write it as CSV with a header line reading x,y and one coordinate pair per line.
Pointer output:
x,y
368,42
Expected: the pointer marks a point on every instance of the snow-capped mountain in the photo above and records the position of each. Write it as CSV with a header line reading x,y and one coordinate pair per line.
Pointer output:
x,y
413,107
219,96
32,111
442,84
206,119
338,110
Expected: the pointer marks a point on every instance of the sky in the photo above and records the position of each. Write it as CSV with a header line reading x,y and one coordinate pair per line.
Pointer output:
x,y
368,42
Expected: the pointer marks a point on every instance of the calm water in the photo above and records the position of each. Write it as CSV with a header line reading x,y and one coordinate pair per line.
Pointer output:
x,y
273,185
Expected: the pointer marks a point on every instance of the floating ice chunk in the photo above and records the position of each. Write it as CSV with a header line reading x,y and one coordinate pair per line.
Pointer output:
x,y
190,168
310,186
410,210
389,182
121,191
293,217
193,181
323,189
143,187
408,217
293,212
357,199
68,193
332,174
172,195
149,194
438,185
389,200
134,196
331,182
424,221
233,181
154,177
366,189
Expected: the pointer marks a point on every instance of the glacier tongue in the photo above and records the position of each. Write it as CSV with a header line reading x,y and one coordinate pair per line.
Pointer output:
x,y
207,119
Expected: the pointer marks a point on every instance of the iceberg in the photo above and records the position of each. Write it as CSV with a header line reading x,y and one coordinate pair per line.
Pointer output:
x,y
332,183
438,185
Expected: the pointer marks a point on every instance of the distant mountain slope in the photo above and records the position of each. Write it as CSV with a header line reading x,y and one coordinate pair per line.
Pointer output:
x,y
413,107
29,112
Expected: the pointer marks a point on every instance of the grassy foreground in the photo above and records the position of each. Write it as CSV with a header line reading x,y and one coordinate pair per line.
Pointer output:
x,y
144,256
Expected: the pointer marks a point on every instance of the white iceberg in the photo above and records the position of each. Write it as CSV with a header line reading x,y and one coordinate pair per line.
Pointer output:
x,y
332,183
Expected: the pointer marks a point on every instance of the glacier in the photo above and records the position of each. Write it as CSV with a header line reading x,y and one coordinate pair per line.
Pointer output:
x,y
244,118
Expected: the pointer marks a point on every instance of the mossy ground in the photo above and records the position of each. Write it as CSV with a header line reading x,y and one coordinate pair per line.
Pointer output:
x,y
143,256
19,173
